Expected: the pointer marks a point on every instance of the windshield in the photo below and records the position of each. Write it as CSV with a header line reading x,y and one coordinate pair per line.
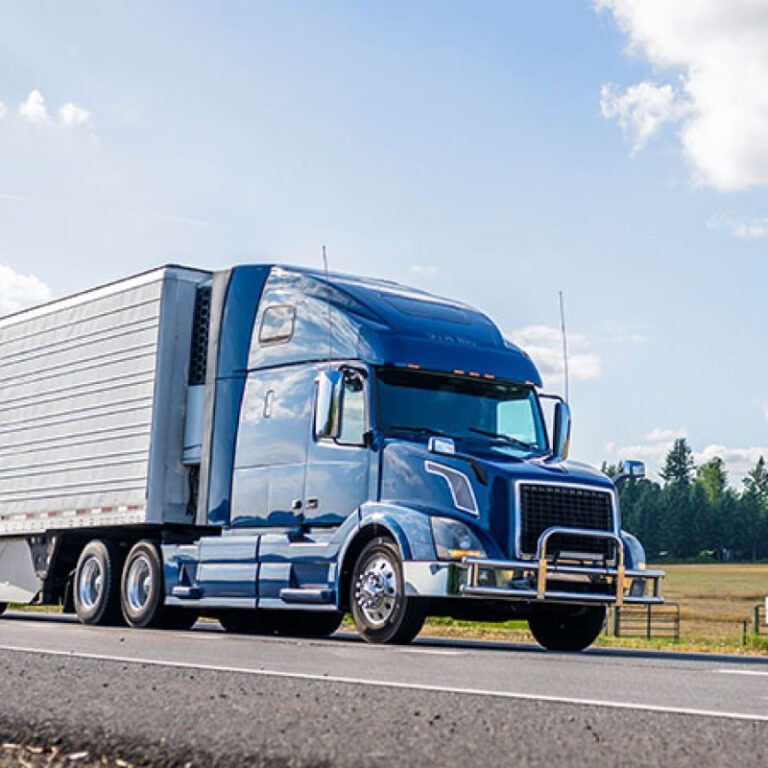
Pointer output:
x,y
503,414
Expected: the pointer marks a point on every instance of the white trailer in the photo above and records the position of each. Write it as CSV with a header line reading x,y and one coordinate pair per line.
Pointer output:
x,y
93,393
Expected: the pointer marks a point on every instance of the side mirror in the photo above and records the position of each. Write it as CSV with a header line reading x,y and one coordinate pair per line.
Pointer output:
x,y
561,431
330,392
630,470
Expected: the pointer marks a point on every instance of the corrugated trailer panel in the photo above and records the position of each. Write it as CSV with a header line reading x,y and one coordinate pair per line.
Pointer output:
x,y
88,387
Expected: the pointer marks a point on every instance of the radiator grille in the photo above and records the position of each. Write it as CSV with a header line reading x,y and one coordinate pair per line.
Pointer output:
x,y
547,506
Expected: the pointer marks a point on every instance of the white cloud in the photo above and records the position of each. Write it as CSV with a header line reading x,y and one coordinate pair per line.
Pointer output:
x,y
661,434
745,228
422,270
19,291
545,345
33,109
620,335
654,447
738,461
716,55
641,109
72,115
3,111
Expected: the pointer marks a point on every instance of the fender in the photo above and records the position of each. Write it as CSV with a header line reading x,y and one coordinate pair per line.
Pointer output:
x,y
634,553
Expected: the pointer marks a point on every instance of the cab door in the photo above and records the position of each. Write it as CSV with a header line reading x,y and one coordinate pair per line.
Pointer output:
x,y
338,470
272,441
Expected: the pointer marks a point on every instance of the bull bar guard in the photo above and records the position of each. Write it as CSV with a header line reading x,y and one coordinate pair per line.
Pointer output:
x,y
542,569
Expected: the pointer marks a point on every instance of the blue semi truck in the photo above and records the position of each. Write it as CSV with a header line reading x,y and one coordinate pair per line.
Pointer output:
x,y
275,447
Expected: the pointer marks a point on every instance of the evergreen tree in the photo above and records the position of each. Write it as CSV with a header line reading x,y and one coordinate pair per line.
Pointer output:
x,y
754,510
713,478
679,464
674,536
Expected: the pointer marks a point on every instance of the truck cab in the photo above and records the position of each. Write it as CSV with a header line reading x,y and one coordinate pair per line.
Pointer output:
x,y
375,449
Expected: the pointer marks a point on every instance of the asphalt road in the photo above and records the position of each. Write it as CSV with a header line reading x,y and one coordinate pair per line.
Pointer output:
x,y
207,698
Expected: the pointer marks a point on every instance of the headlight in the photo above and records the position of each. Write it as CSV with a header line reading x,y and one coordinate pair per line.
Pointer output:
x,y
454,540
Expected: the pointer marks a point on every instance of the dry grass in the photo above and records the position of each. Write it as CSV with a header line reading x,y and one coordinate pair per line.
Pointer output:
x,y
715,599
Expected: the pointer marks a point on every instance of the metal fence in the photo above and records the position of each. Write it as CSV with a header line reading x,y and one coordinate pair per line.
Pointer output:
x,y
646,621
758,620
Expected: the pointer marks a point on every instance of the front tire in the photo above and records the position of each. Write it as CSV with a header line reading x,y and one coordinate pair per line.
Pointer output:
x,y
380,608
566,628
97,583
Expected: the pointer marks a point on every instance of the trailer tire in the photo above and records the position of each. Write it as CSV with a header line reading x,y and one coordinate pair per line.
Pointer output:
x,y
97,583
381,610
141,587
3,607
566,628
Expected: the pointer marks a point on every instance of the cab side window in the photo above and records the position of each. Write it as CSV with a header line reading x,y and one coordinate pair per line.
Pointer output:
x,y
353,411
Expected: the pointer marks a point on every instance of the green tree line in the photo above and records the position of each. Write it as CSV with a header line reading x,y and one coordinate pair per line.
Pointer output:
x,y
694,513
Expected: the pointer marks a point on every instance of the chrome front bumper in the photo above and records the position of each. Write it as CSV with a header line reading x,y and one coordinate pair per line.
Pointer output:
x,y
615,579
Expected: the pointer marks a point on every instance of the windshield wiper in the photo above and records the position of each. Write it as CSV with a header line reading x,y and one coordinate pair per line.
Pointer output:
x,y
419,430
506,438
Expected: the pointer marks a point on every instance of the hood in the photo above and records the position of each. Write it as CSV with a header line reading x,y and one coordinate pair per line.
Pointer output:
x,y
479,488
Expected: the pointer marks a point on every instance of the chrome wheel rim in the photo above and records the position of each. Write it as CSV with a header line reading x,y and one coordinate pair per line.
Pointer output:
x,y
90,583
376,590
138,586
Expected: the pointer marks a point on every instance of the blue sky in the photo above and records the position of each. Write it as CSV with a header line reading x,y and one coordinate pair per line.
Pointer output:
x,y
496,152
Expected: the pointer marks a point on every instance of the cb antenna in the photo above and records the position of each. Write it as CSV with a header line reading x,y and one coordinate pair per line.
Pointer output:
x,y
565,345
328,303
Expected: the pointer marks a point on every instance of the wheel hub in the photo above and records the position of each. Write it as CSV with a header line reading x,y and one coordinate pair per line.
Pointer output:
x,y
376,590
139,583
90,583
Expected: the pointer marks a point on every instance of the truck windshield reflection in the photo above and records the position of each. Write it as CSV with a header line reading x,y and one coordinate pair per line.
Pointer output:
x,y
504,414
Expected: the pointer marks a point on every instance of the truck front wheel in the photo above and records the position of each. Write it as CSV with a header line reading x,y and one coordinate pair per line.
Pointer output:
x,y
566,628
97,583
380,608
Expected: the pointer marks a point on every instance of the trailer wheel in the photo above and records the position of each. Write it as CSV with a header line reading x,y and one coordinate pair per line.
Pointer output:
x,y
380,608
3,607
566,628
97,583
141,588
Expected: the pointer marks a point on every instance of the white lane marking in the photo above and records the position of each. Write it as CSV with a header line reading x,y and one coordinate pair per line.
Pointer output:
x,y
753,672
391,684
